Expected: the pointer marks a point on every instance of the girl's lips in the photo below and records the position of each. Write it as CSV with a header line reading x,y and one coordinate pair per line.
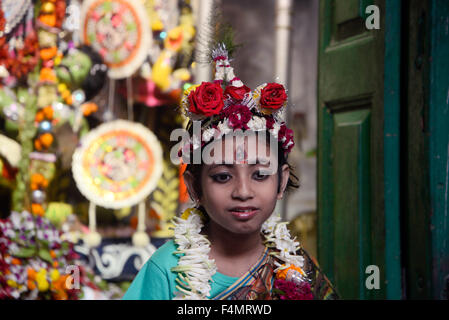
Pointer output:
x,y
244,213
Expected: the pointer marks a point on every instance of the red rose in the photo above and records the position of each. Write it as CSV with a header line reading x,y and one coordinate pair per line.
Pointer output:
x,y
238,116
270,123
286,137
273,96
236,93
207,99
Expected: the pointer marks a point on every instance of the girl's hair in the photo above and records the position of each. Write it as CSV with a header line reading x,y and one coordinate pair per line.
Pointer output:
x,y
292,183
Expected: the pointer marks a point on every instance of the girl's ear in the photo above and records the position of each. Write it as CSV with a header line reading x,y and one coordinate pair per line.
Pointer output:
x,y
284,180
189,181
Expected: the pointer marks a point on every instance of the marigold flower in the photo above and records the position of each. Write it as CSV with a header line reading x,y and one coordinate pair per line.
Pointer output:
x,y
48,53
282,274
37,209
46,139
48,19
48,112
47,74
31,284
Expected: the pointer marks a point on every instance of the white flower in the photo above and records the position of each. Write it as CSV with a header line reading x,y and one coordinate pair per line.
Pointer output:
x,y
195,269
14,248
282,232
16,220
280,115
208,134
196,142
224,127
285,245
257,123
296,260
269,225
276,127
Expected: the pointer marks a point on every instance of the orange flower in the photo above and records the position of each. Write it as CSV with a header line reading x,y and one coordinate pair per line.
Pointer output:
x,y
31,273
39,116
48,112
38,147
47,74
53,254
69,100
46,139
65,94
55,264
16,261
58,288
37,209
282,274
89,108
48,53
48,19
38,181
44,113
31,284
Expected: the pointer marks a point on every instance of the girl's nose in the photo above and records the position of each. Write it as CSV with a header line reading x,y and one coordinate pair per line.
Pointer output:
x,y
242,189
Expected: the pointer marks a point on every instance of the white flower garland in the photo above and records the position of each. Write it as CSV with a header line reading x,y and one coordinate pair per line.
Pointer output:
x,y
195,269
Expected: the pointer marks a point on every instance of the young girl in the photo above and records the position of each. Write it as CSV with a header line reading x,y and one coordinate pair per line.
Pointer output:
x,y
231,245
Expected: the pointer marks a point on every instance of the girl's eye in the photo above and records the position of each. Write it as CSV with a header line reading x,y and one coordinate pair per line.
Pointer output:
x,y
221,177
260,175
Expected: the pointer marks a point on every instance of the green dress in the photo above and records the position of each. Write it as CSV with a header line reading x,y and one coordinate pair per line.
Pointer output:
x,y
156,281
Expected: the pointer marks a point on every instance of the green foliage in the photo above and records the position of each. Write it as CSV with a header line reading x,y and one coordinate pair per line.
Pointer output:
x,y
27,131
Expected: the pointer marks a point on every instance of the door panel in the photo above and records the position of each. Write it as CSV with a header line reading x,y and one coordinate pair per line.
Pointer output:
x,y
351,169
350,158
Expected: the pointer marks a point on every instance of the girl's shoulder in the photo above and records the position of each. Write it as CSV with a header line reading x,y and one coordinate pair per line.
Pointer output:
x,y
164,257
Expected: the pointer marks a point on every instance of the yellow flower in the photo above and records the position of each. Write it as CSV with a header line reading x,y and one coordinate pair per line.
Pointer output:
x,y
42,284
41,279
54,275
186,214
62,87
11,283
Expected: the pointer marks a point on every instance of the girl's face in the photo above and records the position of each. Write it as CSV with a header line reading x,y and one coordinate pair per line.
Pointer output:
x,y
240,196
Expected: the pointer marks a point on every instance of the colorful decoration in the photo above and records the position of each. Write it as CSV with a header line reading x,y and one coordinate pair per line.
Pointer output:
x,y
119,31
33,260
18,55
235,107
169,64
118,164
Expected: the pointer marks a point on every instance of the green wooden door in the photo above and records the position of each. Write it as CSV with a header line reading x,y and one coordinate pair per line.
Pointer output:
x,y
426,151
351,201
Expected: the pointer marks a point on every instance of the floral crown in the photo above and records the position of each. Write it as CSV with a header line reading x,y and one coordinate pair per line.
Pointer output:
x,y
226,105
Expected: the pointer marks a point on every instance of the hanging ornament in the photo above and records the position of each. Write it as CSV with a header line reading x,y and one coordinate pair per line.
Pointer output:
x,y
117,165
119,31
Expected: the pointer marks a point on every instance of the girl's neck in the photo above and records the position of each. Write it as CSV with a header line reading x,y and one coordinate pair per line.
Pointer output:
x,y
225,243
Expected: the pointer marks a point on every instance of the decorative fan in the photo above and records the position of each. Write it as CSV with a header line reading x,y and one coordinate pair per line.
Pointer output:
x,y
118,165
120,31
